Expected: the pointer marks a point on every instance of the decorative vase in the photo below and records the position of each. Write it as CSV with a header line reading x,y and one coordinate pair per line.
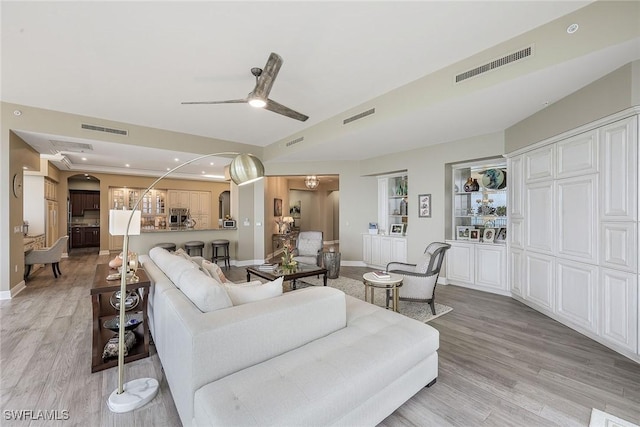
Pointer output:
x,y
476,186
468,186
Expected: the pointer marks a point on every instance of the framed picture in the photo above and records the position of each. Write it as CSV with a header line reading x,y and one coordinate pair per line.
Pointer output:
x,y
424,205
396,229
277,207
295,209
501,235
474,234
462,232
488,235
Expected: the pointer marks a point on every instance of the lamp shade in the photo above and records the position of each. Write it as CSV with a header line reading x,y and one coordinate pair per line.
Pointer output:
x,y
118,220
246,168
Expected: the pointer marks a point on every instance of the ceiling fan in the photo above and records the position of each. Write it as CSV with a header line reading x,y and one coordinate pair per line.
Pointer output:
x,y
259,96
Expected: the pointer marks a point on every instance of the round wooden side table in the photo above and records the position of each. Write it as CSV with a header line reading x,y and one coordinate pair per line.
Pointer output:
x,y
392,284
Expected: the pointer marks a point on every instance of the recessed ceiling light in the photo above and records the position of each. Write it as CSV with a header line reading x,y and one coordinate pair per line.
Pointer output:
x,y
572,28
168,169
17,112
176,159
211,164
203,172
88,177
86,174
84,159
25,167
127,165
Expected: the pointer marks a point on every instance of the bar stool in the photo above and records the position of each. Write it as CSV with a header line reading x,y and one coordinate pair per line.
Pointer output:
x,y
171,247
194,248
224,246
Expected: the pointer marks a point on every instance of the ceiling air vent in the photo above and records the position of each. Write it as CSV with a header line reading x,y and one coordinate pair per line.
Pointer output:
x,y
294,141
75,147
507,59
104,129
359,116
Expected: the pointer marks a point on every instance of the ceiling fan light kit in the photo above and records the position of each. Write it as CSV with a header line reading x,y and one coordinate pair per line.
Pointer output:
x,y
259,96
311,182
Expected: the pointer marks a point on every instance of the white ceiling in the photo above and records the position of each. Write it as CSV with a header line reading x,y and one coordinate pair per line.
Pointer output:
x,y
134,62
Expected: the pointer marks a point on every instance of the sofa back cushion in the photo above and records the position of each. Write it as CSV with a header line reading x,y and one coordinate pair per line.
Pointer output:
x,y
171,265
242,294
204,291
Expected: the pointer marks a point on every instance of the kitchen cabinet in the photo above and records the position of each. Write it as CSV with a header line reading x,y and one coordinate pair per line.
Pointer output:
x,y
179,198
83,200
85,237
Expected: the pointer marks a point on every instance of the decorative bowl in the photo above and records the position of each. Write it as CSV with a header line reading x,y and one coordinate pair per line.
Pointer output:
x,y
132,321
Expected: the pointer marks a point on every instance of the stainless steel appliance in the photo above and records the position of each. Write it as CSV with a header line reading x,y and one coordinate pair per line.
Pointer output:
x,y
229,223
178,216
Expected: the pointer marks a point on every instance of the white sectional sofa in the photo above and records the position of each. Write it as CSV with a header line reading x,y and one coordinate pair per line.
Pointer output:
x,y
314,356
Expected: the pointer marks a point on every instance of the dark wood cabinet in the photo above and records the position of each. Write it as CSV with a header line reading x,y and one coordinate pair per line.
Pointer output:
x,y
82,200
85,237
91,236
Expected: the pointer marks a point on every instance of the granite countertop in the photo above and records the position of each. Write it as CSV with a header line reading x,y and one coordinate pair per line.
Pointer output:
x,y
173,229
83,225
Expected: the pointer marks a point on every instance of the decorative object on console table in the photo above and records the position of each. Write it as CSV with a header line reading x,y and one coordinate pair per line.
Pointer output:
x,y
468,186
243,169
373,228
424,205
474,234
462,232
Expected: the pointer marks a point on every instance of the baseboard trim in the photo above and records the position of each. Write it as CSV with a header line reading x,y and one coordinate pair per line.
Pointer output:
x,y
353,263
4,295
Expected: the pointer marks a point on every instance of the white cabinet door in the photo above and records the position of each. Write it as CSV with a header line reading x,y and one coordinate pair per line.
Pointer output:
x,y
577,155
460,263
576,293
178,199
490,266
539,280
375,251
619,172
366,248
399,250
618,247
540,215
539,164
516,272
386,250
516,186
577,229
619,308
515,234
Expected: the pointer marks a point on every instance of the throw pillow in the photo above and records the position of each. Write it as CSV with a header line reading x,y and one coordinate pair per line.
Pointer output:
x,y
250,293
181,252
423,263
215,270
205,292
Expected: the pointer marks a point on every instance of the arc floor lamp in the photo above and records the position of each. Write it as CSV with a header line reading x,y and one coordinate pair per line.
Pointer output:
x,y
244,169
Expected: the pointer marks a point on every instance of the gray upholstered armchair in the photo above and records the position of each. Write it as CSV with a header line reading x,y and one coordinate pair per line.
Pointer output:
x,y
419,280
309,248
50,255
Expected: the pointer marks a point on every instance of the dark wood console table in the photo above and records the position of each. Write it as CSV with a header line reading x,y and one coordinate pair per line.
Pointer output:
x,y
101,292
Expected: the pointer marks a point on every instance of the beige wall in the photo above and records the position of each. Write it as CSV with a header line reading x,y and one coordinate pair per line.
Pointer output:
x,y
14,153
614,92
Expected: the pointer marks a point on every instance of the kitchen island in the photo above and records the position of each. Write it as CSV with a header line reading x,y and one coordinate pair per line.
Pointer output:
x,y
150,237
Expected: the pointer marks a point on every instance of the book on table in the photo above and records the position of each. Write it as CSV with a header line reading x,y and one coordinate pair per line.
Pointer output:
x,y
267,266
381,275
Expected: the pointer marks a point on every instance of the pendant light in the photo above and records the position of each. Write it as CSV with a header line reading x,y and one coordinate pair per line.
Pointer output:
x,y
311,181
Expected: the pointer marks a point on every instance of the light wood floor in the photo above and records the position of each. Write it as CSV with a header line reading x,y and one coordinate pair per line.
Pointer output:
x,y
501,363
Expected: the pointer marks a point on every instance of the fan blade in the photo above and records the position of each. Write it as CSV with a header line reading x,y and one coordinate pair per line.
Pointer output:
x,y
231,101
285,111
268,76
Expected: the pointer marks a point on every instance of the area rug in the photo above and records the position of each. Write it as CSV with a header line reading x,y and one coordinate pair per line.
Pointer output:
x,y
416,310
602,419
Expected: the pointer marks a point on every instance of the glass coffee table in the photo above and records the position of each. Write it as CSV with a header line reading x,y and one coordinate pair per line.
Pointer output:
x,y
300,271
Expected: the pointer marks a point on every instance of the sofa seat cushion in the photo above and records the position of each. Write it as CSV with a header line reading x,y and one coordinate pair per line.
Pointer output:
x,y
322,381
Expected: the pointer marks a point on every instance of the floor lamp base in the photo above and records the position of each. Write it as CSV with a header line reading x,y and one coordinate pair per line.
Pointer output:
x,y
136,394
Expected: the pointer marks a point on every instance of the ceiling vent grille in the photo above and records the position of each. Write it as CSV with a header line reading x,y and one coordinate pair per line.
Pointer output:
x,y
104,129
76,147
67,163
507,59
294,141
359,116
